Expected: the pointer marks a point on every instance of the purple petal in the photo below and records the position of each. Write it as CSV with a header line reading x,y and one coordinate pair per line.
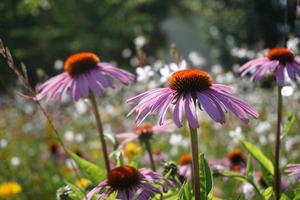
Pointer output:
x,y
190,112
96,190
177,115
164,108
93,85
124,76
252,64
280,75
211,106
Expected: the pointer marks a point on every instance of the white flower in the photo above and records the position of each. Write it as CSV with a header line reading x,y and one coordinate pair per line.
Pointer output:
x,y
175,139
140,41
248,190
3,143
58,65
262,127
236,133
167,70
287,91
15,161
69,136
293,44
126,53
81,107
196,59
144,73
79,137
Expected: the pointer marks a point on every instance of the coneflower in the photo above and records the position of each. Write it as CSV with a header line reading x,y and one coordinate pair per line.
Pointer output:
x,y
187,89
85,76
131,183
276,62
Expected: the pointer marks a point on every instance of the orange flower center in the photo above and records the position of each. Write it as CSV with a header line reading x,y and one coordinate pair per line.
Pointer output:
x,y
80,63
185,159
235,156
190,80
123,177
144,132
281,54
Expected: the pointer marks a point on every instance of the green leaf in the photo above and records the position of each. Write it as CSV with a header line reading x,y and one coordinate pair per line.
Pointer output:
x,y
234,175
297,194
243,178
185,192
258,155
90,170
205,177
267,176
287,127
285,197
212,197
249,168
267,193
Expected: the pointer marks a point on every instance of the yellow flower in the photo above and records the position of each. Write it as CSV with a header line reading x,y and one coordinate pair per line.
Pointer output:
x,y
9,189
82,183
131,150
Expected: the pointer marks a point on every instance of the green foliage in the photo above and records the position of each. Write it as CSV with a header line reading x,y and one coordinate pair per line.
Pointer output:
x,y
42,31
258,155
185,192
267,193
76,193
90,170
287,127
285,197
206,181
249,168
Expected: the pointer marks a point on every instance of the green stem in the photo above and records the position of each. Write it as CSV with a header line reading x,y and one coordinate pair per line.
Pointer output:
x,y
100,130
195,162
277,181
149,150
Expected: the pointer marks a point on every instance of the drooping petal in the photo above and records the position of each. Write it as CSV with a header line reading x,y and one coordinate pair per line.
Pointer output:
x,y
177,115
244,105
280,75
291,71
124,76
264,70
93,85
211,106
164,108
96,190
190,112
252,64
240,108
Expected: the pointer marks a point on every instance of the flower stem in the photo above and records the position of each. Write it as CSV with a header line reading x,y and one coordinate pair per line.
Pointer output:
x,y
100,130
195,162
277,181
149,150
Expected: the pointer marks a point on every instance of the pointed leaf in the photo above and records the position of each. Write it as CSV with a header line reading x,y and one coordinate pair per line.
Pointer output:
x,y
287,127
267,193
249,168
185,192
90,170
205,177
258,155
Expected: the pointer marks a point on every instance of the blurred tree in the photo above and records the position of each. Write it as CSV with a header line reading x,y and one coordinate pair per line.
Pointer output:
x,y
216,26
40,31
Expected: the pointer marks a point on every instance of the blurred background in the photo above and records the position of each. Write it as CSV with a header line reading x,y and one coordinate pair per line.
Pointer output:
x,y
217,35
42,33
